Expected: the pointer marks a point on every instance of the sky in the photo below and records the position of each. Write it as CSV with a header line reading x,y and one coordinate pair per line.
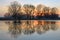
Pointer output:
x,y
51,3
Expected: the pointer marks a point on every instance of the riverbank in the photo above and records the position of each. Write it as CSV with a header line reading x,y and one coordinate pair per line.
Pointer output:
x,y
10,18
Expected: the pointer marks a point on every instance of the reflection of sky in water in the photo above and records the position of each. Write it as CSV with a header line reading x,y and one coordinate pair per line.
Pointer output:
x,y
30,30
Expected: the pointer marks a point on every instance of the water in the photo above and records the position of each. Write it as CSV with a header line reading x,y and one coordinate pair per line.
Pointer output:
x,y
30,30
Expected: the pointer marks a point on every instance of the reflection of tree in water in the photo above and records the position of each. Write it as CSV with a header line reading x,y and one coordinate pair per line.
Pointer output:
x,y
28,31
15,28
53,26
44,26
28,28
31,26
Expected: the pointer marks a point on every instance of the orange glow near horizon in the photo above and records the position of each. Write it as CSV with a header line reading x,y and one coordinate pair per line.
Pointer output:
x,y
3,10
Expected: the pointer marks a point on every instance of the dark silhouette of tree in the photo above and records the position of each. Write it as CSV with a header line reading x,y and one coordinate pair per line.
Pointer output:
x,y
29,9
39,9
14,9
54,12
46,12
7,14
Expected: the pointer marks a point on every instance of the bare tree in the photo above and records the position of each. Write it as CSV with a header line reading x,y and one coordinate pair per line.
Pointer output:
x,y
14,8
46,12
28,8
39,8
54,10
46,9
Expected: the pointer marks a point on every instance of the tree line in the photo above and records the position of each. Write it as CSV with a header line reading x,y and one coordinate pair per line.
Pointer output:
x,y
17,11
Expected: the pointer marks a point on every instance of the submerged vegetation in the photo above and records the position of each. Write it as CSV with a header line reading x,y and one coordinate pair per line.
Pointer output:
x,y
16,11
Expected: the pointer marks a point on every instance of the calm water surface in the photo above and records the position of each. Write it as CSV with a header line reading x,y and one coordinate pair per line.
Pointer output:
x,y
30,30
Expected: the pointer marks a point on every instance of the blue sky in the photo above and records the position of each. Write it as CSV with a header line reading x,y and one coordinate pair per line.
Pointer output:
x,y
50,3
